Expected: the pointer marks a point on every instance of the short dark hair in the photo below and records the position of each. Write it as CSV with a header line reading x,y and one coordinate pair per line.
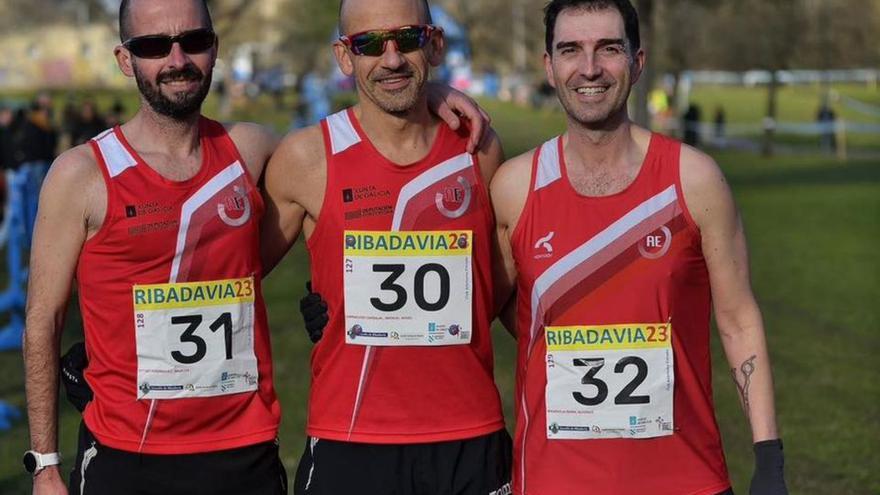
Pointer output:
x,y
125,19
426,11
625,7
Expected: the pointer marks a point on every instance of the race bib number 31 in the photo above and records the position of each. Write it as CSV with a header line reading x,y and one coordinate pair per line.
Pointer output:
x,y
611,381
408,288
195,339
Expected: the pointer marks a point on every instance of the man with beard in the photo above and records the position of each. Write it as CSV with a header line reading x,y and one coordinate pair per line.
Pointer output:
x,y
618,241
399,229
158,220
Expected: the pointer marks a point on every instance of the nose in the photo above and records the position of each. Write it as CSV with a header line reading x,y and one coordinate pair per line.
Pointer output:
x,y
177,57
392,58
590,67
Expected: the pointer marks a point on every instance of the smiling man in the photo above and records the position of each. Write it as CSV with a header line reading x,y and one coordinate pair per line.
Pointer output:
x,y
618,242
399,230
158,221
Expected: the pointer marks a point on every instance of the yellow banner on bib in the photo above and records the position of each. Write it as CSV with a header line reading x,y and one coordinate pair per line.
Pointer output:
x,y
410,243
193,294
625,336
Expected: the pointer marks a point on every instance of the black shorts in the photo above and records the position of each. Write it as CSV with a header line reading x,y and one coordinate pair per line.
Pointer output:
x,y
476,466
252,470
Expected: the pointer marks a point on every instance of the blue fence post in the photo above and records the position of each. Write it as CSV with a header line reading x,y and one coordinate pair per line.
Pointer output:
x,y
12,299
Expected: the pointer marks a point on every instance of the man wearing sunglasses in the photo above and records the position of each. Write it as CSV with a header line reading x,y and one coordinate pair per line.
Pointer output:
x,y
399,228
158,220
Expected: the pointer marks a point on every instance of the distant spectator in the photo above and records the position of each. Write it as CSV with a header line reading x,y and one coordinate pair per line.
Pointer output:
x,y
36,140
116,114
691,124
826,118
720,127
7,131
89,124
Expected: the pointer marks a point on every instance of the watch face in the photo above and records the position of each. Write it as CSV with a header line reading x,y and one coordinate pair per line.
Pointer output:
x,y
30,462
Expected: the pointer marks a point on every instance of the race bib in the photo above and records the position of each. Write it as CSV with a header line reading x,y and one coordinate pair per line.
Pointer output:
x,y
195,339
610,381
408,288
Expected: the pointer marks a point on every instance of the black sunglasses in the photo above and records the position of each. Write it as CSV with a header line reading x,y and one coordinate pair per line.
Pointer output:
x,y
159,45
372,43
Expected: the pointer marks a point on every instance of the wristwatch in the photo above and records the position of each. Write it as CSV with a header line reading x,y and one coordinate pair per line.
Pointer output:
x,y
34,462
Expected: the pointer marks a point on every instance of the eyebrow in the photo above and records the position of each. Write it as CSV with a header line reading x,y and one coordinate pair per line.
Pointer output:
x,y
599,44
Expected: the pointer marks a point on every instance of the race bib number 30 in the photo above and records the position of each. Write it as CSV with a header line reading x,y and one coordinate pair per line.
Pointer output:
x,y
195,339
611,381
408,288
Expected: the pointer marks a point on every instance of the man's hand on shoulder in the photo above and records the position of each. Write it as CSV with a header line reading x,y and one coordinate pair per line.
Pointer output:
x,y
450,105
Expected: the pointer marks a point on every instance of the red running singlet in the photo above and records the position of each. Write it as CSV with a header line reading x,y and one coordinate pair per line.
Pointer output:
x,y
614,389
169,288
413,393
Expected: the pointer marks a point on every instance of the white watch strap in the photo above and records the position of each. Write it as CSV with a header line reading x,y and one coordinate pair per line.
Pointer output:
x,y
46,460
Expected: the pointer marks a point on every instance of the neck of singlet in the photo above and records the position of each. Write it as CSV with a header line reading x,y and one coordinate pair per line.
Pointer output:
x,y
429,159
153,174
640,176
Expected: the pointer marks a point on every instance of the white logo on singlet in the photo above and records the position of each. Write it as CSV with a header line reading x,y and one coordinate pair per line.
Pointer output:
x,y
544,243
457,198
239,203
656,244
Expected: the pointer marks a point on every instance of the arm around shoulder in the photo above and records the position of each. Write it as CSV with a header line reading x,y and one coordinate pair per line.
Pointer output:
x,y
294,185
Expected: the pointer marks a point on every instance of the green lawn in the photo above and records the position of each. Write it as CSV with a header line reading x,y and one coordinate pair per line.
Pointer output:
x,y
813,230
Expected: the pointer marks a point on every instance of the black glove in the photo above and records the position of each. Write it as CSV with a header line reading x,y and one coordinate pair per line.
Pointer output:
x,y
73,364
768,478
314,311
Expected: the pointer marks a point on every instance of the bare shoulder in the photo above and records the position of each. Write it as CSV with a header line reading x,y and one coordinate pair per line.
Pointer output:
x,y
510,187
706,191
75,186
298,170
75,168
303,149
255,143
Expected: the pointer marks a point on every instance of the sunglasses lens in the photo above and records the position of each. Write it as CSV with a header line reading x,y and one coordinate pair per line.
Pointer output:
x,y
411,38
150,46
370,43
198,41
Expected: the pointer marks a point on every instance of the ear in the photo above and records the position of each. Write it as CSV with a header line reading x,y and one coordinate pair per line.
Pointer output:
x,y
437,50
123,60
343,58
548,69
638,66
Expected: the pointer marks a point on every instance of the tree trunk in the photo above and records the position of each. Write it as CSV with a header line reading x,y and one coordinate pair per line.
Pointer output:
x,y
770,119
643,88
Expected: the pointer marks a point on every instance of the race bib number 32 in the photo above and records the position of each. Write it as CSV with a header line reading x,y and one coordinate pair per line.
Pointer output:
x,y
408,288
610,381
195,339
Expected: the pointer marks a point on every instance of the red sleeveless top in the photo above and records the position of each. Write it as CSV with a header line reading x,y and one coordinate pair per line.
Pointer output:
x,y
169,289
411,393
614,389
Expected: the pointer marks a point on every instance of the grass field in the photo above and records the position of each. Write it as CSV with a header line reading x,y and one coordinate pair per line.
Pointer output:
x,y
813,230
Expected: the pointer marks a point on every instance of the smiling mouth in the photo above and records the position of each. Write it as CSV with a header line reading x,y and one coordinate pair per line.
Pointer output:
x,y
591,90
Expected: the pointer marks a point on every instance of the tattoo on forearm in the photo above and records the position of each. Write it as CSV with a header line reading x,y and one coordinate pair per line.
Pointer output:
x,y
746,368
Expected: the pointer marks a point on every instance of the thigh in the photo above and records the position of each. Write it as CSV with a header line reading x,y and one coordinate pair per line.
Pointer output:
x,y
329,467
252,470
476,466
100,470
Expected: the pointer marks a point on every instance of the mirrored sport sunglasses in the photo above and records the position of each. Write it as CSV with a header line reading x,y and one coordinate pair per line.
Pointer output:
x,y
372,43
159,45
